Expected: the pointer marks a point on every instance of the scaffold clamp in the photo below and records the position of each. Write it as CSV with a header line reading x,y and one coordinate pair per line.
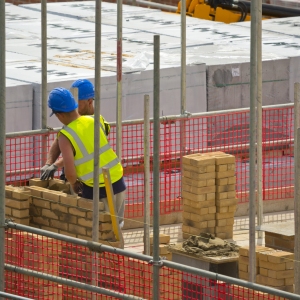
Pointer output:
x,y
159,263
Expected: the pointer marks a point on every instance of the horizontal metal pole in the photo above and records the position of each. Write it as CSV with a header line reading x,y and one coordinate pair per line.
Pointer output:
x,y
162,119
11,296
73,283
154,5
232,280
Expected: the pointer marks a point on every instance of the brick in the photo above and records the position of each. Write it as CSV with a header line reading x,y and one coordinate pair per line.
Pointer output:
x,y
198,218
18,213
193,197
77,229
222,209
59,225
225,188
220,196
281,274
69,199
58,207
43,203
85,222
7,211
199,169
224,229
49,214
163,239
264,280
263,271
105,226
286,288
38,182
67,218
51,195
227,215
289,281
225,174
243,267
20,194
77,212
289,265
23,221
226,202
284,245
197,183
280,257
197,160
199,225
212,209
197,176
272,266
243,275
198,204
210,196
108,235
36,191
104,217
199,190
221,168
17,204
228,159
40,221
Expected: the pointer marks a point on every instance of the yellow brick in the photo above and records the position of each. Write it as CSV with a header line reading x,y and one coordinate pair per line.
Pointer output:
x,y
38,182
199,169
225,188
272,266
23,221
17,204
212,210
85,222
221,196
200,211
163,239
223,229
69,199
232,180
199,190
221,222
199,225
193,197
225,174
108,235
40,202
197,160
195,217
228,159
20,194
243,267
289,265
289,281
226,202
222,209
197,176
243,275
263,271
227,215
210,196
199,204
198,183
46,213
281,274
24,213
105,226
104,217
264,280
221,168
80,212
59,225
7,211
51,195
280,257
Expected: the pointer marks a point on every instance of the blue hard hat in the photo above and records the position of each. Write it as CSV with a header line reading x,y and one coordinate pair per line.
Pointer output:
x,y
85,89
61,100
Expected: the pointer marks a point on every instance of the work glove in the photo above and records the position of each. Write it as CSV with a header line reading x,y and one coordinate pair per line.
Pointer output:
x,y
48,171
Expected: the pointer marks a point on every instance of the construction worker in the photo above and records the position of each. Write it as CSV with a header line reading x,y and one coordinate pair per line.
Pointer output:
x,y
86,95
76,142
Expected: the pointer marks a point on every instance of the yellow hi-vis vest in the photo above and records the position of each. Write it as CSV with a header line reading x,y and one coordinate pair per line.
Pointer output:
x,y
81,135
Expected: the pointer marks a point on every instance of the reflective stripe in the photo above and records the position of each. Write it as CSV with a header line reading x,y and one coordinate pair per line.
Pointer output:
x,y
101,126
91,174
90,156
77,140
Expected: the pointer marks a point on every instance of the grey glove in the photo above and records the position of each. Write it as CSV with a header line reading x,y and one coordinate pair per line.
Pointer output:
x,y
48,171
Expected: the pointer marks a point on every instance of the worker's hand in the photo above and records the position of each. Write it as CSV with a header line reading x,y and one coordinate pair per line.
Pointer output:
x,y
48,171
77,187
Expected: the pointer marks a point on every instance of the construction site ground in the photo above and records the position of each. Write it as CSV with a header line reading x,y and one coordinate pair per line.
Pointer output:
x,y
133,238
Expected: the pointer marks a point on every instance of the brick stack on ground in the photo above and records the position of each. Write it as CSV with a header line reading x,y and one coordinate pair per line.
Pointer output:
x,y
208,192
274,268
164,241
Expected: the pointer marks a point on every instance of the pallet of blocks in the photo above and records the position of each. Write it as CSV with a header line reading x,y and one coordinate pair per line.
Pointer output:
x,y
208,192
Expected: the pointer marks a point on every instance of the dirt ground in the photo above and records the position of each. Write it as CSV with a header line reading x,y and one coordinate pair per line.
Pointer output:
x,y
206,245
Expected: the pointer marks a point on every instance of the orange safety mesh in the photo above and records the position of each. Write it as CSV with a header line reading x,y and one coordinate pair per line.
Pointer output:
x,y
227,132
111,271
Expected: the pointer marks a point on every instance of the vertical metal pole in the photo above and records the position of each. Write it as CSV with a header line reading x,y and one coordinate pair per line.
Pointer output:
x,y
44,76
297,185
146,176
253,101
119,87
95,229
259,121
156,185
2,142
183,80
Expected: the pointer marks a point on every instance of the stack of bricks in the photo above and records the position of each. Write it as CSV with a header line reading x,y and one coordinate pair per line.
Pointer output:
x,y
274,268
24,250
164,241
208,192
198,194
226,201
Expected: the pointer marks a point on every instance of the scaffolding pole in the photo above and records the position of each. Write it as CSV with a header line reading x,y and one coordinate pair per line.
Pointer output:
x,y
297,185
2,143
252,175
156,185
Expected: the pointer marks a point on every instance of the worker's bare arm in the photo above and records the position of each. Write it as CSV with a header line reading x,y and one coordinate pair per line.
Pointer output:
x,y
53,154
68,156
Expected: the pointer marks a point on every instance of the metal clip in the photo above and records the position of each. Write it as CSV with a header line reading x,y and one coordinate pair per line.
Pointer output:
x,y
186,114
159,263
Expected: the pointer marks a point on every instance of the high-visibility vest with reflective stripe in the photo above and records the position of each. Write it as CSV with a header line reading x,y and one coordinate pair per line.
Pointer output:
x,y
81,135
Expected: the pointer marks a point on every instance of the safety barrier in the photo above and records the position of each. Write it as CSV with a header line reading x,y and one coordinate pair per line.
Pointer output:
x,y
226,131
52,266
